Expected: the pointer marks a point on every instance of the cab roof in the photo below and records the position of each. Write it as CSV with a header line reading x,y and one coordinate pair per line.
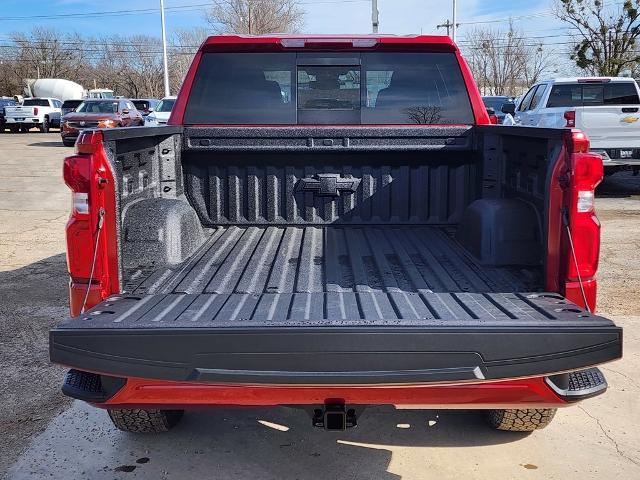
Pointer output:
x,y
283,43
589,80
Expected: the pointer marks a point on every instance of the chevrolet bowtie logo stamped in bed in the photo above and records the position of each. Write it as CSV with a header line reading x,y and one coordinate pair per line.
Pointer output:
x,y
328,184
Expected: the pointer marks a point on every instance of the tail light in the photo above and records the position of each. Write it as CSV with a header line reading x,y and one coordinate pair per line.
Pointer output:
x,y
493,119
570,117
585,174
76,171
578,142
35,110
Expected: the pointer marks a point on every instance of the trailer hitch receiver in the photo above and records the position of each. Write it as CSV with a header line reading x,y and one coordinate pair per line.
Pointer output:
x,y
334,417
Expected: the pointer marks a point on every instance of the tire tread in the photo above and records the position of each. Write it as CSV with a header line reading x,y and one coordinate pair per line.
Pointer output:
x,y
137,420
520,420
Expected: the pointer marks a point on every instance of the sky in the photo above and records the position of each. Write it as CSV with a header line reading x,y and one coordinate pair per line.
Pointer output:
x,y
321,16
532,17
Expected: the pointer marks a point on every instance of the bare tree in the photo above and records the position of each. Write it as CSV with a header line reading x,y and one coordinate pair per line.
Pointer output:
x,y
503,63
428,114
607,33
132,66
42,53
256,17
184,44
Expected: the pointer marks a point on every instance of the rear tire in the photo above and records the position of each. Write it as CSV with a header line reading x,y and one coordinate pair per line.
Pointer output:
x,y
14,129
44,128
24,129
69,143
516,420
145,421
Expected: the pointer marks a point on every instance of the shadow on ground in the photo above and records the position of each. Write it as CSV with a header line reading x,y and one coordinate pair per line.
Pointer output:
x,y
48,144
32,300
619,185
260,443
226,438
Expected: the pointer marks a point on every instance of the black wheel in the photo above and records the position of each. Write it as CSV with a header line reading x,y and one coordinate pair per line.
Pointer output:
x,y
145,421
14,128
516,420
68,143
44,128
24,129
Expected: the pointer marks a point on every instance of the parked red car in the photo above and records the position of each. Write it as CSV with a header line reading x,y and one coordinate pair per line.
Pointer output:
x,y
331,223
104,113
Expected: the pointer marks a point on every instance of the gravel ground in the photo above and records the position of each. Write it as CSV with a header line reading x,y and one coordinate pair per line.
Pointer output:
x,y
34,206
595,439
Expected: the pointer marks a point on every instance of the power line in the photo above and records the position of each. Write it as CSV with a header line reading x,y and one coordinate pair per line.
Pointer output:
x,y
154,11
541,13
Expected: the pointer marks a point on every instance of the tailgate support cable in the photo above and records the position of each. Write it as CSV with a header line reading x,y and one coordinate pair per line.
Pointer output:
x,y
95,256
565,220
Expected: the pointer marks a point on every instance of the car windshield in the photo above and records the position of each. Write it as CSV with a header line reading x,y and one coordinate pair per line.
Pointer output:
x,y
71,103
141,104
329,88
36,102
98,107
166,105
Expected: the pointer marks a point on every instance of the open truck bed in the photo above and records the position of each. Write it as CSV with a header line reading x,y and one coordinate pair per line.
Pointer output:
x,y
232,273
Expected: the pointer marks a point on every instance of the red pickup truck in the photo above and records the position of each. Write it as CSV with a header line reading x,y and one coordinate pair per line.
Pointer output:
x,y
331,223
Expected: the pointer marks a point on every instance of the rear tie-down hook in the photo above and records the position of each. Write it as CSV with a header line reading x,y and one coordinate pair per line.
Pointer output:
x,y
101,213
565,220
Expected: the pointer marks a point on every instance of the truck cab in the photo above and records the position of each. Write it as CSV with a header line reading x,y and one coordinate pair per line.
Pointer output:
x,y
331,223
607,109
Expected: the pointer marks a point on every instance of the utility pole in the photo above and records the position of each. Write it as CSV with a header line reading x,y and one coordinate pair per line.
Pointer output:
x,y
167,92
374,15
446,25
453,26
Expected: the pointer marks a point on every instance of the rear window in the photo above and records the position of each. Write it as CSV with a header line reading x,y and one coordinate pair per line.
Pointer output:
x,y
319,88
36,102
166,105
495,102
141,104
593,94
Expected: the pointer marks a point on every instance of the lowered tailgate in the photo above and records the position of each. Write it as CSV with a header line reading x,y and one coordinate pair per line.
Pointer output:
x,y
266,339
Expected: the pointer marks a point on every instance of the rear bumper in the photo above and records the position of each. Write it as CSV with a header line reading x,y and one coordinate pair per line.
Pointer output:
x,y
611,157
547,392
24,121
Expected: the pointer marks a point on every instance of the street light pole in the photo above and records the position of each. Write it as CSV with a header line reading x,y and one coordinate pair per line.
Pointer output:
x,y
453,27
374,15
164,51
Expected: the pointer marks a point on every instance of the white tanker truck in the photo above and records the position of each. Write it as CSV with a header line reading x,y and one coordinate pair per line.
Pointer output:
x,y
62,89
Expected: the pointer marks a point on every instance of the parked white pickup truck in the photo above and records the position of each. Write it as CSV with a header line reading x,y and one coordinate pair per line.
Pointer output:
x,y
34,112
606,108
